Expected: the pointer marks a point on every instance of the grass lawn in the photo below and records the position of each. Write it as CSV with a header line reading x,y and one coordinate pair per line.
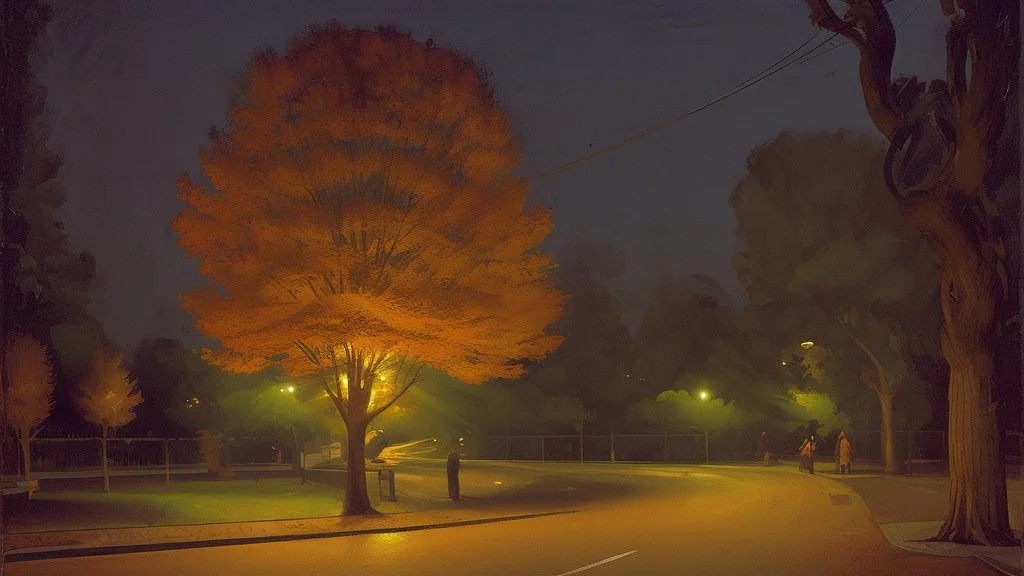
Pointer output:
x,y
145,501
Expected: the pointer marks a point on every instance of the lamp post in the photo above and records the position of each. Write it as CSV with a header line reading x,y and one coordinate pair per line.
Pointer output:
x,y
704,396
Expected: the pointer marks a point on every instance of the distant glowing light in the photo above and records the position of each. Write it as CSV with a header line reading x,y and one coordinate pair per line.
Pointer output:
x,y
806,345
498,482
703,395
783,362
291,388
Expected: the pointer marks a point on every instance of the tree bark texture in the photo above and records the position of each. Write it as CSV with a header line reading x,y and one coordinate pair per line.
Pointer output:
x,y
978,512
357,501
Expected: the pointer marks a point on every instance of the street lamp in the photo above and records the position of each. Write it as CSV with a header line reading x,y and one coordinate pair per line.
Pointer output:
x,y
806,345
704,396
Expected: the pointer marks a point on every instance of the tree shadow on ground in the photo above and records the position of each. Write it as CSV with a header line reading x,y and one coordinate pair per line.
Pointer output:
x,y
556,492
48,512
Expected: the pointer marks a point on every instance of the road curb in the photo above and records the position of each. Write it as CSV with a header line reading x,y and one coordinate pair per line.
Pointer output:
x,y
996,565
898,542
77,552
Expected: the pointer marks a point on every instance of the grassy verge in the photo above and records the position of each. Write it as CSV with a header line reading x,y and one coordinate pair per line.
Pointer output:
x,y
147,502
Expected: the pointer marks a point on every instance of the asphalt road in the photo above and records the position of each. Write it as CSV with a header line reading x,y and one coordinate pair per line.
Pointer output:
x,y
636,521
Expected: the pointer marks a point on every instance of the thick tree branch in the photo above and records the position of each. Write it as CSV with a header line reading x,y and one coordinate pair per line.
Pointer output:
x,y
867,26
883,384
412,381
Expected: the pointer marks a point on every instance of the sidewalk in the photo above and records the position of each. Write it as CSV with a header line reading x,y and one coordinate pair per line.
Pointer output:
x,y
910,509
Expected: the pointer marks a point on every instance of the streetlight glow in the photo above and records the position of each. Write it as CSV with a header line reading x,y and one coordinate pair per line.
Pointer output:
x,y
806,345
291,388
703,395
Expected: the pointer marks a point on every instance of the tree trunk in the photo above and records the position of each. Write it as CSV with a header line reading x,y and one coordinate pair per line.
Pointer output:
x,y
106,473
26,453
890,464
357,501
970,290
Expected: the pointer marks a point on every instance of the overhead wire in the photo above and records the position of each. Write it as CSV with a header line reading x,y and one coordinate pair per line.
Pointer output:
x,y
773,69
808,57
764,74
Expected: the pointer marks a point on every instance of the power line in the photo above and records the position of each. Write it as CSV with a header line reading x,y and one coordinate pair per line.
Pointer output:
x,y
762,75
808,57
768,72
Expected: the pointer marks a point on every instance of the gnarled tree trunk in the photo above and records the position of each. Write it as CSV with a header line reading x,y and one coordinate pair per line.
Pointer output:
x,y
970,289
942,161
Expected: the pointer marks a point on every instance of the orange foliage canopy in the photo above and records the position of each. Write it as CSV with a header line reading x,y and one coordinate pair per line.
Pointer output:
x,y
364,203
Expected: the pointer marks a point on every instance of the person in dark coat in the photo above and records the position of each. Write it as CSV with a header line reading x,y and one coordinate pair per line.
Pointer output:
x,y
453,475
765,447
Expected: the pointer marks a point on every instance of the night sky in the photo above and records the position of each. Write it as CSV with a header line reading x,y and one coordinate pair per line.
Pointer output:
x,y
135,88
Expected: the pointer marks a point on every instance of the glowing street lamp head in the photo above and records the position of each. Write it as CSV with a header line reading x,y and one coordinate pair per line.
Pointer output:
x,y
806,345
291,388
703,395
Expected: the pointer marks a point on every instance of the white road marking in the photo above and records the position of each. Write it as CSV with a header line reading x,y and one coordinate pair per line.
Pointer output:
x,y
596,564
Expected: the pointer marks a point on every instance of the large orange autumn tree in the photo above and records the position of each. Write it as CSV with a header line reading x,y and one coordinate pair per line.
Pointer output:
x,y
364,220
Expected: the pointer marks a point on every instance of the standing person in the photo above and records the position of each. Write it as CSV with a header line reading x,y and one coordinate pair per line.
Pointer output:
x,y
765,447
812,446
807,454
453,475
844,453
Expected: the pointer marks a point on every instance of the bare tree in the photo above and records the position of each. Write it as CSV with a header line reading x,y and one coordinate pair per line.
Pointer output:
x,y
107,397
942,167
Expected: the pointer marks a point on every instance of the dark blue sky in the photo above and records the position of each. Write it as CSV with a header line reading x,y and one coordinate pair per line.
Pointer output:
x,y
135,87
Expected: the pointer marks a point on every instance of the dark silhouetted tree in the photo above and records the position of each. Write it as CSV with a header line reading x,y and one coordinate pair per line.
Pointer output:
x,y
943,167
824,239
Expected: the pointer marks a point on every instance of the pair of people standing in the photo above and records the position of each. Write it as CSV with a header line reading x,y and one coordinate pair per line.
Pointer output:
x,y
843,454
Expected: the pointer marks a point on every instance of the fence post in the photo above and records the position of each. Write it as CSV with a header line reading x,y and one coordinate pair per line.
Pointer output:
x,y
581,442
910,452
167,465
707,455
613,447
664,446
542,449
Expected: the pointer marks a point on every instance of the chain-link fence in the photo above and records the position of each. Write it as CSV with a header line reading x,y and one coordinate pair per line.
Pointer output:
x,y
86,454
909,445
597,448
